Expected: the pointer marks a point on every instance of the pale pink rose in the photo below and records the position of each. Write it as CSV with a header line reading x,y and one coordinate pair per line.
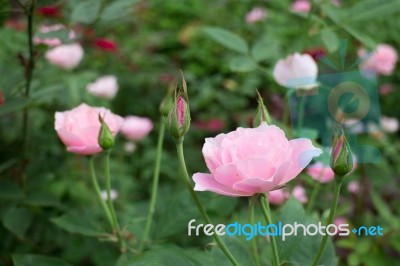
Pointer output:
x,y
389,124
256,14
136,128
66,56
278,197
51,41
382,60
248,161
104,87
300,194
301,6
79,128
296,71
353,187
386,89
320,172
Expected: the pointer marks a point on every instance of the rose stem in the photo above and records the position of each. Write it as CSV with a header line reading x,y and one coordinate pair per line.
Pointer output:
x,y
154,189
186,179
254,241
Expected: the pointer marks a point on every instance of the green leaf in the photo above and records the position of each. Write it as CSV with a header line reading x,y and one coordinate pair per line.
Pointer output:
x,y
14,105
384,210
17,220
86,11
242,64
37,260
300,249
330,40
227,39
260,50
79,225
117,9
367,41
239,250
368,10
162,256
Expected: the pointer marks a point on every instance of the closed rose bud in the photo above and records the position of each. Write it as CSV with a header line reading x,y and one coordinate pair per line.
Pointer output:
x,y
261,114
106,139
179,116
341,158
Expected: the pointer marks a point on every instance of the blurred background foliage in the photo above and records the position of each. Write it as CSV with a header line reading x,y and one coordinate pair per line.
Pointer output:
x,y
225,60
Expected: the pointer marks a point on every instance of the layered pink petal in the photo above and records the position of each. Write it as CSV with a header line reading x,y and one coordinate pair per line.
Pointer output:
x,y
206,182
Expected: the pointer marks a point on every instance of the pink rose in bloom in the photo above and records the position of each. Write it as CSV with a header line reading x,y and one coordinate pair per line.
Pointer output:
x,y
79,128
212,125
106,45
301,6
104,87
136,128
320,172
256,14
278,197
353,187
300,194
386,89
296,71
248,161
51,41
66,56
382,60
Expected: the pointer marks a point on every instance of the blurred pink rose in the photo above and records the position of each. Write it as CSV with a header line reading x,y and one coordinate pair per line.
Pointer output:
x,y
382,60
66,56
79,128
248,161
300,194
256,14
296,71
353,187
211,125
320,172
54,41
136,128
386,89
278,197
104,87
301,6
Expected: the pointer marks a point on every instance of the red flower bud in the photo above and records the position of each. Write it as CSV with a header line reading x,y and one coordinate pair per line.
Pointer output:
x,y
49,11
106,45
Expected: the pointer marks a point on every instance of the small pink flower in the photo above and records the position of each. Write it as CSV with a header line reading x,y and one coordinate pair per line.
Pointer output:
x,y
386,89
353,187
51,41
104,87
278,197
296,71
340,220
300,194
106,45
66,56
248,161
79,128
301,6
320,172
382,60
256,14
136,128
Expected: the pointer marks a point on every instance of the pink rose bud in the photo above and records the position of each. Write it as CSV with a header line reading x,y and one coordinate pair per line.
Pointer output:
x,y
136,128
300,194
256,14
278,197
105,139
79,128
320,172
249,161
262,114
296,71
179,116
104,87
341,158
66,56
382,60
301,6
